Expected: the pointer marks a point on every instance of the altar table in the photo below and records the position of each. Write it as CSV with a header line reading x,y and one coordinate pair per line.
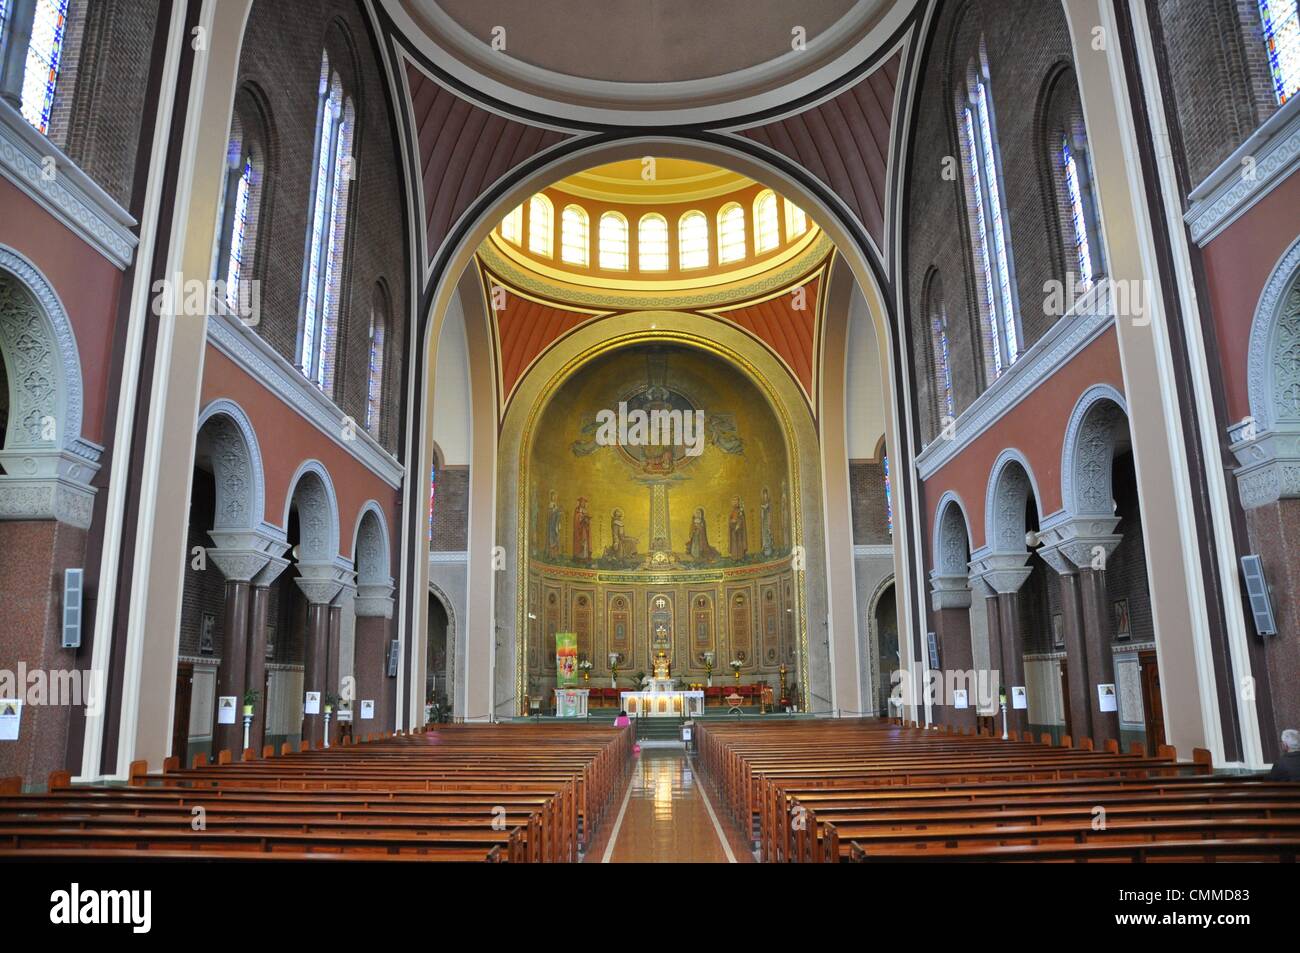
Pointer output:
x,y
571,702
672,704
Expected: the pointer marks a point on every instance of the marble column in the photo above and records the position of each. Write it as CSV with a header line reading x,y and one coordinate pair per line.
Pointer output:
x,y
320,585
1005,574
13,59
374,610
1079,715
332,682
951,600
255,672
239,567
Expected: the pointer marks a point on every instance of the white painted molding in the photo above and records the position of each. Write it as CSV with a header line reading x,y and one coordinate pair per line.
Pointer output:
x,y
873,550
246,348
70,195
448,557
1258,166
1082,325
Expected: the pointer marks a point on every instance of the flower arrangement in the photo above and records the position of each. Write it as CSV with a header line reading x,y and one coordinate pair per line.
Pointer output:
x,y
735,664
585,665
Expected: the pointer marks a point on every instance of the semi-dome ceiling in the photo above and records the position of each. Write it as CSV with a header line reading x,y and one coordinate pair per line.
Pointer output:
x,y
646,56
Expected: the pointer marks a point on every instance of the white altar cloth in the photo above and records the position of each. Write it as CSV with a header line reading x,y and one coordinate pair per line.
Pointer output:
x,y
672,704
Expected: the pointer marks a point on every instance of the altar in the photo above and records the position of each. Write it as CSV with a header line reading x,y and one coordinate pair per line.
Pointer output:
x,y
571,702
668,704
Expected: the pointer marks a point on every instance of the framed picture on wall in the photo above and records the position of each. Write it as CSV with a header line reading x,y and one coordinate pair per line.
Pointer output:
x,y
207,633
1122,627
270,642
1058,631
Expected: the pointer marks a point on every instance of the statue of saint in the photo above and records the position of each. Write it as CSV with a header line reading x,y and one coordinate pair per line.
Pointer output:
x,y
697,544
581,530
621,545
737,530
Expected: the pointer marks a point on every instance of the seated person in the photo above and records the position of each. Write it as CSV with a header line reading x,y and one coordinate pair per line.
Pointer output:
x,y
1287,766
622,721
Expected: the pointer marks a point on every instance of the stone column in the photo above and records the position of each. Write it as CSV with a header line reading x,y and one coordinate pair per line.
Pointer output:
x,y
332,663
951,601
1005,574
374,609
320,585
1080,714
255,672
13,59
239,567
1087,544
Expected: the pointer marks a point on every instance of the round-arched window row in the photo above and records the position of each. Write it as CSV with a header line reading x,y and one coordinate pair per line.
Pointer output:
x,y
775,221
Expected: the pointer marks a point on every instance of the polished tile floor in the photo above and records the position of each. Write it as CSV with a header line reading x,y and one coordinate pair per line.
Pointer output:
x,y
667,818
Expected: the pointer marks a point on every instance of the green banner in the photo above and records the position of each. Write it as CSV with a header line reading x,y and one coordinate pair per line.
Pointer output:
x,y
566,659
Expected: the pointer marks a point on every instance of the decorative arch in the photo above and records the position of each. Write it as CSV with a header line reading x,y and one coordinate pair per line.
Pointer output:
x,y
1091,439
370,547
236,465
1273,362
950,551
1011,481
48,464
437,592
318,513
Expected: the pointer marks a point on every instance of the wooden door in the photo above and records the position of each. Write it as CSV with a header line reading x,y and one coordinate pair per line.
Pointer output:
x,y
1153,707
181,716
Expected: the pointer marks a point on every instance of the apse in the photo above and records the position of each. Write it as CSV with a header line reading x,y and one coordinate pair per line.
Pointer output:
x,y
659,514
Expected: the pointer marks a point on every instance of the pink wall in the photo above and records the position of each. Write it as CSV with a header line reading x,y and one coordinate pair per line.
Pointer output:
x,y
287,440
85,281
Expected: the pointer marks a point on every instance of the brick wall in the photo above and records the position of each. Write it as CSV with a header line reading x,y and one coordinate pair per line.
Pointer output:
x,y
451,511
1217,70
867,497
280,75
1032,86
99,101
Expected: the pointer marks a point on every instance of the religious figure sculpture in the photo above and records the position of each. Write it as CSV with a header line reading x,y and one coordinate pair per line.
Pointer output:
x,y
739,535
697,544
765,523
581,530
554,518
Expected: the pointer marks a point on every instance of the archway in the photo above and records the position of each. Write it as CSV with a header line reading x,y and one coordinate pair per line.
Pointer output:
x,y
372,701
884,619
961,691
448,269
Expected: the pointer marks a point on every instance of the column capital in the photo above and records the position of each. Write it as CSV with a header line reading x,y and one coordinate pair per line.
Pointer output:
x,y
949,592
238,565
374,600
269,573
1078,542
320,582
1004,573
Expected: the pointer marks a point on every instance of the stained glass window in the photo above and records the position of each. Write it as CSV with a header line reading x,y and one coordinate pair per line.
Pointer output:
x,y
989,227
239,231
652,243
573,236
540,213
44,57
375,379
613,241
1083,248
693,240
889,495
766,227
512,226
942,368
1281,23
731,233
796,221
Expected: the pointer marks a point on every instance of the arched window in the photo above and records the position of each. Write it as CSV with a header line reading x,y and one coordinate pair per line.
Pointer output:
x,y
731,233
1079,213
573,236
767,234
988,220
942,365
613,241
796,222
652,243
540,228
1281,22
889,495
512,226
433,495
43,59
693,240
375,370
327,240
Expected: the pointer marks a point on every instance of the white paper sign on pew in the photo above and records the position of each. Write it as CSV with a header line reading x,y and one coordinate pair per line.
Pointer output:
x,y
311,704
1107,700
226,710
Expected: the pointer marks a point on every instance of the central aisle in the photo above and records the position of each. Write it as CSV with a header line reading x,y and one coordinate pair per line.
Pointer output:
x,y
666,816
